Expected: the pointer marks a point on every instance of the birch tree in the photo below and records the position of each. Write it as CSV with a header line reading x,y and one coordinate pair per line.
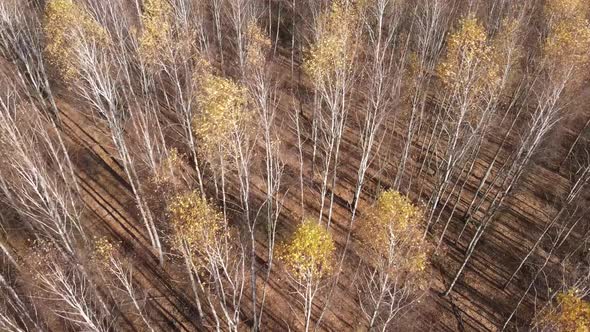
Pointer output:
x,y
35,178
225,128
72,297
118,271
21,38
240,13
214,264
171,63
384,78
580,179
396,256
506,52
263,93
17,311
331,66
308,258
469,74
432,22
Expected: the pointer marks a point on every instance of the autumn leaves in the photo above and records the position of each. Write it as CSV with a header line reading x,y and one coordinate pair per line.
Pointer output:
x,y
67,26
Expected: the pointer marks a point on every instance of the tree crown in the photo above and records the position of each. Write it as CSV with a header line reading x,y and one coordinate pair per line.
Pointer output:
x,y
572,313
222,110
392,232
258,46
469,57
67,26
157,28
310,252
564,9
568,41
335,47
196,223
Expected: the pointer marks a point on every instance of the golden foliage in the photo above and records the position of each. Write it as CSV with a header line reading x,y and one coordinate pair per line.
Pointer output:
x,y
104,249
335,48
222,104
67,25
469,59
157,29
197,225
309,255
392,234
174,159
568,41
505,39
571,314
565,9
506,54
258,46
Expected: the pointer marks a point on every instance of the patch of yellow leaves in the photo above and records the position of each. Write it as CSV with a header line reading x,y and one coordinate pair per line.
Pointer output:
x,y
335,48
309,255
66,26
157,29
196,223
564,9
469,59
392,233
568,40
104,249
222,104
572,313
258,46
165,173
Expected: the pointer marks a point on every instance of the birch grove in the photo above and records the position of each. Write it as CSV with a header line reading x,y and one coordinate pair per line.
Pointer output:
x,y
273,165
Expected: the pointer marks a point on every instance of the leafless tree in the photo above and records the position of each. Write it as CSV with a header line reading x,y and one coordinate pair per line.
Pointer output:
x,y
36,179
21,41
117,272
581,178
17,313
263,92
70,294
